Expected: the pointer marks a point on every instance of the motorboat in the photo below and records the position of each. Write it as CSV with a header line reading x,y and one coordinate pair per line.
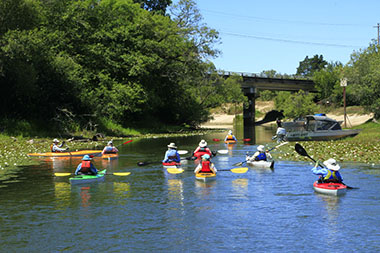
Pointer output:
x,y
316,127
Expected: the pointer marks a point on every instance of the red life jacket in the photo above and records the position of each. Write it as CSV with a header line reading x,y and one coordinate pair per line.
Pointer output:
x,y
85,168
206,167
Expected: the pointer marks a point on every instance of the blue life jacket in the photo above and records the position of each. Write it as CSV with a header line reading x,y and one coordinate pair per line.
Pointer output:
x,y
261,156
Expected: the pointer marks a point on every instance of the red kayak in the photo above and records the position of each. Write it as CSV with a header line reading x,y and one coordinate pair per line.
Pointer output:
x,y
330,188
171,164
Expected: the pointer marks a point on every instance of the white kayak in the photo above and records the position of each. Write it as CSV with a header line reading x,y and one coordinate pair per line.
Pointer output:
x,y
261,164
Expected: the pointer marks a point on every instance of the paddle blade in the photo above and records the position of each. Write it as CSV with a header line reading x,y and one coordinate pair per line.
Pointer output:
x,y
174,170
183,152
215,139
239,170
300,150
127,142
121,173
247,139
62,174
223,151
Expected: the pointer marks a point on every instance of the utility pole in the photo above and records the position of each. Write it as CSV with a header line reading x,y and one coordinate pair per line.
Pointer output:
x,y
378,33
343,83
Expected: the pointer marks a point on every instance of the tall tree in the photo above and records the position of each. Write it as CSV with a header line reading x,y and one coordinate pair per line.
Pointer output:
x,y
158,6
308,66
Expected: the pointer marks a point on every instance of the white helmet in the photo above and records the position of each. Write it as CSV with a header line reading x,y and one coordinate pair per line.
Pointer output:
x,y
261,148
202,144
331,164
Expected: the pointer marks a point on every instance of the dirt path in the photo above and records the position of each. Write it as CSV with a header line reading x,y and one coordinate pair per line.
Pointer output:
x,y
225,121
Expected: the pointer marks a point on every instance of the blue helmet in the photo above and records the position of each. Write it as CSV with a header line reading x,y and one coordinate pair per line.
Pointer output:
x,y
206,156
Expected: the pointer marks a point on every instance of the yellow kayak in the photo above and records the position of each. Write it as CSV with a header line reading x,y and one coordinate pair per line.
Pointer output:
x,y
67,153
110,156
205,176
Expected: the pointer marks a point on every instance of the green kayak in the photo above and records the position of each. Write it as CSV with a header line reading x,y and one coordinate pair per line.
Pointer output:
x,y
88,178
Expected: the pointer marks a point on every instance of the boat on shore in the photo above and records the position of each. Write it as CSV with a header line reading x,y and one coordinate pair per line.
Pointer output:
x,y
330,188
316,127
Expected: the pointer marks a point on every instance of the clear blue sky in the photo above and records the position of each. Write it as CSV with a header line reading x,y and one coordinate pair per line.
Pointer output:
x,y
260,35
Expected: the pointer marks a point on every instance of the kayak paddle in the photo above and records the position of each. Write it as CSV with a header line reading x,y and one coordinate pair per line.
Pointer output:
x,y
241,163
300,150
115,174
236,170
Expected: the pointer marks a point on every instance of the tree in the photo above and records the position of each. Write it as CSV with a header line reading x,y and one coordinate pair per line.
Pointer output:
x,y
296,104
363,74
157,6
327,82
308,66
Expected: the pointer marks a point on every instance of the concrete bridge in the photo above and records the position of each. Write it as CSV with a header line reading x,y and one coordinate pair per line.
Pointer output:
x,y
252,83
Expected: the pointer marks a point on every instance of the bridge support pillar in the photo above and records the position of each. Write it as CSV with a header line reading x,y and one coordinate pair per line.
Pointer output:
x,y
249,115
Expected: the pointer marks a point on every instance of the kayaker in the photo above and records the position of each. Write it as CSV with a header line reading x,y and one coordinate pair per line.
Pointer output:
x,y
230,136
260,155
172,155
58,148
86,167
329,173
206,166
202,149
110,149
280,133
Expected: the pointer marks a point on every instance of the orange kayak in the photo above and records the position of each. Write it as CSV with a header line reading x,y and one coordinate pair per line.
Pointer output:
x,y
110,156
67,154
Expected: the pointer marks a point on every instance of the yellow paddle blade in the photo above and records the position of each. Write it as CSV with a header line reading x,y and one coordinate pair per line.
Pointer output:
x,y
62,174
121,173
174,170
239,170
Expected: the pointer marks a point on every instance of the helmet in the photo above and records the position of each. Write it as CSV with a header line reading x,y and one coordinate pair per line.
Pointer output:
x,y
86,158
261,148
172,145
202,143
331,164
55,141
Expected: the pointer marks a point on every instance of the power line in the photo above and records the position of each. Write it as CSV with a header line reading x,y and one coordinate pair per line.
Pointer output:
x,y
289,41
283,20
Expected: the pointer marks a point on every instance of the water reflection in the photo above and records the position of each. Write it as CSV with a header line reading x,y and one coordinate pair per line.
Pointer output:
x,y
240,187
332,207
175,191
122,191
85,197
62,191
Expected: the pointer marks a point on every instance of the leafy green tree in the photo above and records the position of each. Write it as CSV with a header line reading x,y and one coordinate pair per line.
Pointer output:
x,y
363,74
308,66
327,82
158,6
295,104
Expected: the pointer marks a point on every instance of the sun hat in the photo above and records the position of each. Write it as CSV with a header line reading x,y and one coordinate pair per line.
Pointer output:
x,y
55,140
86,158
172,145
202,143
229,131
110,143
261,148
331,164
206,156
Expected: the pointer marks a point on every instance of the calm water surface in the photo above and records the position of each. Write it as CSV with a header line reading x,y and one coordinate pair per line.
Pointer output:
x,y
150,211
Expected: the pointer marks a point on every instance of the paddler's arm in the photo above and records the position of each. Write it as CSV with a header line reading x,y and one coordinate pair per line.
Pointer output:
x,y
198,168
319,171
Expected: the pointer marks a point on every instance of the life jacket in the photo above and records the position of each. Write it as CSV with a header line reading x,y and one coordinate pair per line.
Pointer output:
x,y
202,151
261,156
206,167
51,147
230,137
85,168
330,177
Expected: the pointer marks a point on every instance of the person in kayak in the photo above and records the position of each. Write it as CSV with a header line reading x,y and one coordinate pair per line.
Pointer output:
x,y
58,148
172,155
230,136
280,133
202,149
329,173
86,167
110,149
260,155
206,166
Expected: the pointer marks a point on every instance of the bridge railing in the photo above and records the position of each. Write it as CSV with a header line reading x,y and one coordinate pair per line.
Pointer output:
x,y
263,75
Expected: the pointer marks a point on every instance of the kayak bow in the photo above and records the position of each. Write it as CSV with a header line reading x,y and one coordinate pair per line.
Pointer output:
x,y
330,188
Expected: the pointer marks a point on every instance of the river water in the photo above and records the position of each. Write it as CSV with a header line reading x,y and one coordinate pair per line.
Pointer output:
x,y
152,211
